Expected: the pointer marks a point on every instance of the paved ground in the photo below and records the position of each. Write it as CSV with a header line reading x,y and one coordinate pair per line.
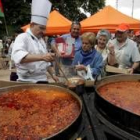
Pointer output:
x,y
4,74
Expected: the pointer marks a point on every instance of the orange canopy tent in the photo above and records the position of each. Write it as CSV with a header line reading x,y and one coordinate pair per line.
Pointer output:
x,y
108,18
56,25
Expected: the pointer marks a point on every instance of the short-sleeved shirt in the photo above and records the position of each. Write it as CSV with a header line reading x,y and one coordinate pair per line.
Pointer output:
x,y
78,41
127,54
77,44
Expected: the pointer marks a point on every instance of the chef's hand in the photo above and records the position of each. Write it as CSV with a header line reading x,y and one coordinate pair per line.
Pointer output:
x,y
49,57
56,51
55,78
80,67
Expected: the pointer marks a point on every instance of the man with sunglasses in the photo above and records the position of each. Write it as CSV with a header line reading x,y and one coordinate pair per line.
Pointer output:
x,y
123,51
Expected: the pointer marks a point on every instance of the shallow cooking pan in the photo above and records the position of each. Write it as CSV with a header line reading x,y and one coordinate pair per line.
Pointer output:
x,y
37,96
124,118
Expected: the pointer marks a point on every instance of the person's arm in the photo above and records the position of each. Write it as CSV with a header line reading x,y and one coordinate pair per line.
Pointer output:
x,y
48,57
97,65
135,65
133,68
111,55
52,73
111,58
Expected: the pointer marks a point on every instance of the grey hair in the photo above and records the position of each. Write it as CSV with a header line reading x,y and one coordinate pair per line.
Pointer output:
x,y
103,32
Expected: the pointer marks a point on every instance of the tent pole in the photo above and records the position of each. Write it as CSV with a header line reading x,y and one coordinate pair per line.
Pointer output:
x,y
132,7
6,26
117,4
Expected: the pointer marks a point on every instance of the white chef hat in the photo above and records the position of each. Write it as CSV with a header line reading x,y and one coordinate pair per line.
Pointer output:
x,y
40,11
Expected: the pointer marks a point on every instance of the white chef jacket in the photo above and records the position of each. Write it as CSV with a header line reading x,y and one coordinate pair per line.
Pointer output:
x,y
27,43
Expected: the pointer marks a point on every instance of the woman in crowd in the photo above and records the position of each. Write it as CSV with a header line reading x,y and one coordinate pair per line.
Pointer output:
x,y
102,39
87,59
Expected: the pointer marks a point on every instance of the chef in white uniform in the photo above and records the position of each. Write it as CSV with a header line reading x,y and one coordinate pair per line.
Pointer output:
x,y
30,52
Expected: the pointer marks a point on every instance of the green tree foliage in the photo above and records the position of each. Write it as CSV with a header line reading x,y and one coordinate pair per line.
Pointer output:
x,y
71,8
18,12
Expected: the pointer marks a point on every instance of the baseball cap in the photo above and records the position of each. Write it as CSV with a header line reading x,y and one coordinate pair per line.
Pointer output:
x,y
137,33
123,27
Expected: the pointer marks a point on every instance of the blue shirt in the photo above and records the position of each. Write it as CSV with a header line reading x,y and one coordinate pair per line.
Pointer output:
x,y
78,41
92,58
77,44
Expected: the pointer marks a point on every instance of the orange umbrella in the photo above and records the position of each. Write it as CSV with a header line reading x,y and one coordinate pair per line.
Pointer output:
x,y
108,18
56,25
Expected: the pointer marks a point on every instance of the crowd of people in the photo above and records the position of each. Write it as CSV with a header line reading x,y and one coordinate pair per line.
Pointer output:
x,y
89,53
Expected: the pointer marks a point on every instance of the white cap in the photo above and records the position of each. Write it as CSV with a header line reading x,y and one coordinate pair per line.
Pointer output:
x,y
40,11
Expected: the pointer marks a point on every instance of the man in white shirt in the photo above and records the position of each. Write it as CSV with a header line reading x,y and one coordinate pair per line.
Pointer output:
x,y
123,51
30,52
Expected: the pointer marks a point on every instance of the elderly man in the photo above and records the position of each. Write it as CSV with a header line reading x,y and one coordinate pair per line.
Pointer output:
x,y
137,39
123,51
30,52
73,39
